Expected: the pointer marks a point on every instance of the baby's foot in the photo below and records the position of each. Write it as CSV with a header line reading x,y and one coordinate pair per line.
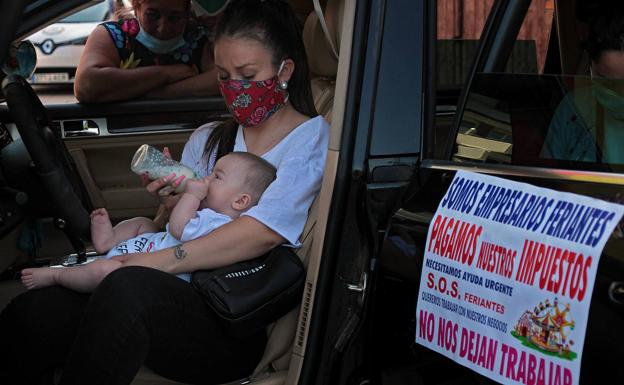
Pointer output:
x,y
40,277
102,234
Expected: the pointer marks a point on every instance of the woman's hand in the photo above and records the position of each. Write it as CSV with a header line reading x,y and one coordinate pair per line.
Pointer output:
x,y
204,84
164,210
154,187
162,188
145,180
177,72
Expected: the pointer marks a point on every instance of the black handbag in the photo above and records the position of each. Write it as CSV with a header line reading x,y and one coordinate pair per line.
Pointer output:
x,y
250,295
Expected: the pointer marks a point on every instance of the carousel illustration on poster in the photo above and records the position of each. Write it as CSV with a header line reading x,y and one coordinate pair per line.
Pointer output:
x,y
547,329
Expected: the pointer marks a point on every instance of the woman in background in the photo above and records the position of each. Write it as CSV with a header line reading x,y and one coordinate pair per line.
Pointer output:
x,y
158,54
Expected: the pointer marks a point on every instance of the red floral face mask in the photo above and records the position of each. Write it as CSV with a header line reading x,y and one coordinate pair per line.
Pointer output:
x,y
253,102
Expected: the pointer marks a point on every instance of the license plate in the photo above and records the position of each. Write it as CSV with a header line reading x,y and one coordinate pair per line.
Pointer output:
x,y
53,77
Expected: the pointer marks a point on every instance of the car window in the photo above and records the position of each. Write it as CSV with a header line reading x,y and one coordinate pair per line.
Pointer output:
x,y
547,108
398,84
95,13
459,26
59,47
531,46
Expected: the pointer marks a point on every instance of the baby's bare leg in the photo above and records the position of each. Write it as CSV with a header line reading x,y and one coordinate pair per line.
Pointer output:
x,y
105,236
102,233
83,278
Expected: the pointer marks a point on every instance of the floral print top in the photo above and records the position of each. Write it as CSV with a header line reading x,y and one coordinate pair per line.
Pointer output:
x,y
134,54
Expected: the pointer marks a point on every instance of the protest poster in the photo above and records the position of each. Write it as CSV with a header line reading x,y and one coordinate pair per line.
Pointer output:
x,y
507,278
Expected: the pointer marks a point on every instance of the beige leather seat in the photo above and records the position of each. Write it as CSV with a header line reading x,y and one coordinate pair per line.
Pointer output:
x,y
322,61
273,367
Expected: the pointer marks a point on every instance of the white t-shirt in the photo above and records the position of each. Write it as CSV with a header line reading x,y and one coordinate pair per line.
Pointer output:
x,y
300,161
206,221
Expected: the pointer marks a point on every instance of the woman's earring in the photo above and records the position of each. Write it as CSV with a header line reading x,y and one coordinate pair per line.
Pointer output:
x,y
284,85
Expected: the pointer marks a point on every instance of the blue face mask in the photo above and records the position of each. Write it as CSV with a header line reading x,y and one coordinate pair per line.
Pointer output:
x,y
610,100
157,45
209,7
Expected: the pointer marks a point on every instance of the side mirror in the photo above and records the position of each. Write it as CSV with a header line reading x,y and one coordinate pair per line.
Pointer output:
x,y
21,60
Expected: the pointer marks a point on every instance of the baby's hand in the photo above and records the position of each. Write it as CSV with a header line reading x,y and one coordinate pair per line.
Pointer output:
x,y
197,187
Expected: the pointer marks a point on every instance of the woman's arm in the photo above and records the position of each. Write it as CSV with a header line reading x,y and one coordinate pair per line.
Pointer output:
x,y
239,240
204,84
99,78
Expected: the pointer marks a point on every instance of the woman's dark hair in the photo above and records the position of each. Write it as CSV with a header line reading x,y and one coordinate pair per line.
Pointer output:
x,y
274,24
606,28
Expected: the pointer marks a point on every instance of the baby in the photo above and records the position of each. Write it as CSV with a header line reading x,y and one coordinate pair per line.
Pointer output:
x,y
236,184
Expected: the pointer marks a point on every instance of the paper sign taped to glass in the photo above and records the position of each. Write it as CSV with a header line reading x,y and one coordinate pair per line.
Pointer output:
x,y
507,279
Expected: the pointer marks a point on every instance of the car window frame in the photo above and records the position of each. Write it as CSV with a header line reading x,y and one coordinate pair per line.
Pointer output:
x,y
495,46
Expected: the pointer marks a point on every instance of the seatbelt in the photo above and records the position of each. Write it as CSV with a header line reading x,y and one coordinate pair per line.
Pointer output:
x,y
319,12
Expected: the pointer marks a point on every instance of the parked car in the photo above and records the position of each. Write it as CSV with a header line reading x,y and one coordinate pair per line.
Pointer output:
x,y
408,109
59,46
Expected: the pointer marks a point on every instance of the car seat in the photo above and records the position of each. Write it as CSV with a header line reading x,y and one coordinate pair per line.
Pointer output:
x,y
323,55
323,65
284,334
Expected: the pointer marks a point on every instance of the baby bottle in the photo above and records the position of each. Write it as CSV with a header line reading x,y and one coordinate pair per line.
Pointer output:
x,y
149,160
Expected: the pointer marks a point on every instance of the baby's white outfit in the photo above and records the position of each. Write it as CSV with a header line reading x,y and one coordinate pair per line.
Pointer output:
x,y
206,221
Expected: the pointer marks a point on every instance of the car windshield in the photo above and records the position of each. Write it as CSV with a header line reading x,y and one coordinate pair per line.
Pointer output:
x,y
92,14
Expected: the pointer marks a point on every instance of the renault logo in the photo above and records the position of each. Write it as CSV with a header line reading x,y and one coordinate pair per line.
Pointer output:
x,y
47,46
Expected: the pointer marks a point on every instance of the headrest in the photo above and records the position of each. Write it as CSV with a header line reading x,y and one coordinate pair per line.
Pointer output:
x,y
302,9
320,57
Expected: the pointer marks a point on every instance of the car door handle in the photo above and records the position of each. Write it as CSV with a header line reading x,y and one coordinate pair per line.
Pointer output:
x,y
74,128
616,292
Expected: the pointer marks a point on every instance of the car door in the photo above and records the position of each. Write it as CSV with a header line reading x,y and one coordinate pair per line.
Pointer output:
x,y
380,145
102,139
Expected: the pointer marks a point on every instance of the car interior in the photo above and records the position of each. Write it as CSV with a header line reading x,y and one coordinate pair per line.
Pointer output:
x,y
509,109
498,126
492,115
95,144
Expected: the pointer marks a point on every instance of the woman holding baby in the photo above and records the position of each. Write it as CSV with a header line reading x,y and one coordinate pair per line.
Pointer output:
x,y
142,314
